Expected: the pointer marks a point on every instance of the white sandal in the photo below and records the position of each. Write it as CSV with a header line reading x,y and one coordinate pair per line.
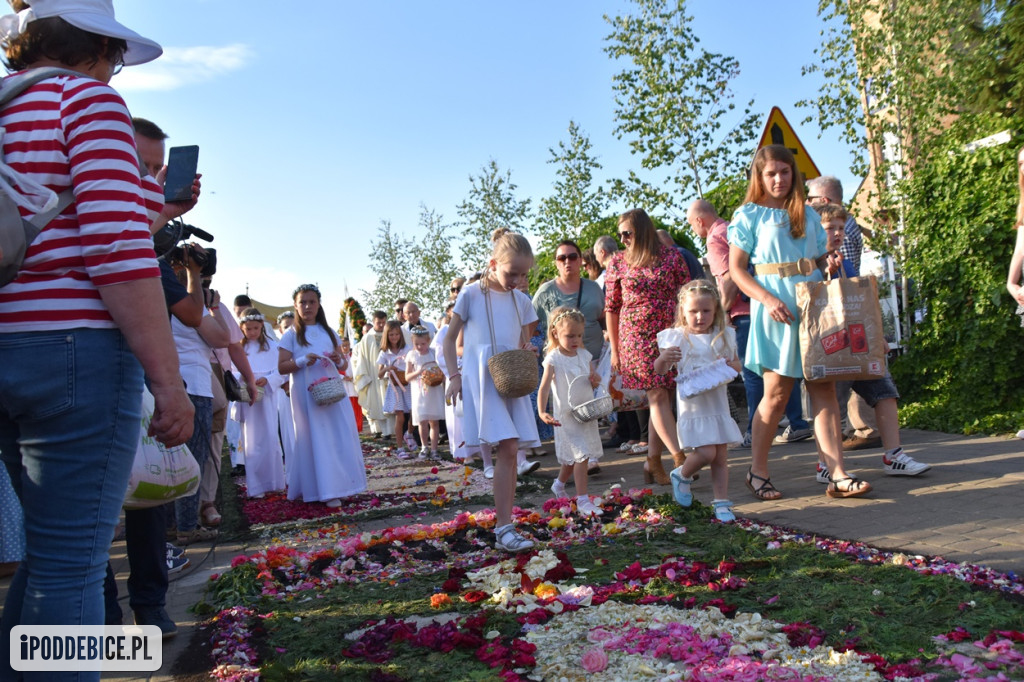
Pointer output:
x,y
508,539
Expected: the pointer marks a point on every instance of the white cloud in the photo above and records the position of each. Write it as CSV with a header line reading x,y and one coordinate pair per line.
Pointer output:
x,y
182,66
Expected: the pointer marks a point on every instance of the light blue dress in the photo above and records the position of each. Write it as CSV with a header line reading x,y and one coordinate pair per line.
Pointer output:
x,y
764,234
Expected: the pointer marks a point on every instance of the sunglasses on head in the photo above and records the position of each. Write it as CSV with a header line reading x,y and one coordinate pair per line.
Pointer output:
x,y
562,257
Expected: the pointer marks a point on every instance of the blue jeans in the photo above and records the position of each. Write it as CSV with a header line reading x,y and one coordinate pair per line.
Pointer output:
x,y
70,413
186,509
753,384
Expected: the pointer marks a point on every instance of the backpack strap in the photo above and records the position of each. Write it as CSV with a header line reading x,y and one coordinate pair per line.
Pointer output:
x,y
12,87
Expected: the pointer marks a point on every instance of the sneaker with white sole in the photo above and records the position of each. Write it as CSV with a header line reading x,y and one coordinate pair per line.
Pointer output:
x,y
508,539
586,507
410,442
174,551
424,453
902,464
558,489
745,445
791,435
822,475
176,564
402,453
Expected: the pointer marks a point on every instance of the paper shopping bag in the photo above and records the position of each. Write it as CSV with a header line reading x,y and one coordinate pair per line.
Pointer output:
x,y
841,335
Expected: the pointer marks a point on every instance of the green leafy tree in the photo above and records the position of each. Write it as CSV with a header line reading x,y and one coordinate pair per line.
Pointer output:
x,y
491,203
432,265
576,204
391,260
913,83
674,103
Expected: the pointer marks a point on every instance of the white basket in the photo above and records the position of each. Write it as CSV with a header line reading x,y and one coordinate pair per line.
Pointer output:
x,y
328,392
592,409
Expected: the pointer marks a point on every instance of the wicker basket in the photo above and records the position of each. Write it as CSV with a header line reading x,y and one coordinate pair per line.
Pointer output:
x,y
589,410
432,376
328,392
514,372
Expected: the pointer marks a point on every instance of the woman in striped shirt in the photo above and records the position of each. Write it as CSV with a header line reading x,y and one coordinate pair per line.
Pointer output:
x,y
85,315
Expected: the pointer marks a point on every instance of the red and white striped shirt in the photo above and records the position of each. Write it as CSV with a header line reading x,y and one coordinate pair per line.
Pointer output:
x,y
76,132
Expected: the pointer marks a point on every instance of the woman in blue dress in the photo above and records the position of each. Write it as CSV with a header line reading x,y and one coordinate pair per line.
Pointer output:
x,y
785,242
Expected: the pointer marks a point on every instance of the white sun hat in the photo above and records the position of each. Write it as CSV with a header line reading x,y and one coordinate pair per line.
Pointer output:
x,y
95,16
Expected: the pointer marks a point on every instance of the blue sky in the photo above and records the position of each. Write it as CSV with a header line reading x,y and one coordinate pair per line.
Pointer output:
x,y
318,120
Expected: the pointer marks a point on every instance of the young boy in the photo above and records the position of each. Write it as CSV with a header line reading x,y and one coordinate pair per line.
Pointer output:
x,y
880,394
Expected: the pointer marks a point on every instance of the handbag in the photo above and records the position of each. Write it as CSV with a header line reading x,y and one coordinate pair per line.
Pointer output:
x,y
514,372
159,474
841,337
235,391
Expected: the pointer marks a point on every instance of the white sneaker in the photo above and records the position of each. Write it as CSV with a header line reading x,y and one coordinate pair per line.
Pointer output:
x,y
527,467
558,488
902,464
586,507
488,472
822,475
424,453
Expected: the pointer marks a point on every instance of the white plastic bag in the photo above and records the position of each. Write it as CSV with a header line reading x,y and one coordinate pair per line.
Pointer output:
x,y
159,474
623,399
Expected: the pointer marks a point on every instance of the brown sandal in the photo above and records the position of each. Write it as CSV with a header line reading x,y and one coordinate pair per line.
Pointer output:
x,y
764,491
854,487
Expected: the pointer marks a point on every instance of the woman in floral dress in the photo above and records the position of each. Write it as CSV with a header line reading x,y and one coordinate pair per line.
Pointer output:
x,y
641,285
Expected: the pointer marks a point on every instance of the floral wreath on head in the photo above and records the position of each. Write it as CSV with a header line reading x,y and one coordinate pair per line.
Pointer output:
x,y
351,309
253,317
287,313
302,288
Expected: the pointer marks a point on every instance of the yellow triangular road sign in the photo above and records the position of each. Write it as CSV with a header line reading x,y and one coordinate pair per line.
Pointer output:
x,y
778,131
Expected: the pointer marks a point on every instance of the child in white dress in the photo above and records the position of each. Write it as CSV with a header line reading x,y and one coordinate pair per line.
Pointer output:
x,y
327,459
398,398
427,401
575,444
264,460
495,305
696,343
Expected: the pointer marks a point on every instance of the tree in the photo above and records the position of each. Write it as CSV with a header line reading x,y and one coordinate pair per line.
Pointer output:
x,y
914,83
491,204
675,103
391,259
575,204
432,266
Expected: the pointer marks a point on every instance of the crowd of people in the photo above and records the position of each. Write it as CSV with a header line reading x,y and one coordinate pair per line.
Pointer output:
x,y
93,318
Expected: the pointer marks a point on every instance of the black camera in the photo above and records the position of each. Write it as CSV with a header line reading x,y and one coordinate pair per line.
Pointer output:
x,y
166,244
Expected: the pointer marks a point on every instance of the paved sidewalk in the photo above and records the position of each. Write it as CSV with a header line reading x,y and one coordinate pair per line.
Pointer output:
x,y
968,508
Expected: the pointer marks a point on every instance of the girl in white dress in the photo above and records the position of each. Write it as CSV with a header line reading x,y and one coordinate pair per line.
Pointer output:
x,y
427,401
700,338
327,459
398,398
264,460
488,418
566,359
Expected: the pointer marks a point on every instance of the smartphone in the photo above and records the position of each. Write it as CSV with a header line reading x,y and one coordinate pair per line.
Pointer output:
x,y
182,163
